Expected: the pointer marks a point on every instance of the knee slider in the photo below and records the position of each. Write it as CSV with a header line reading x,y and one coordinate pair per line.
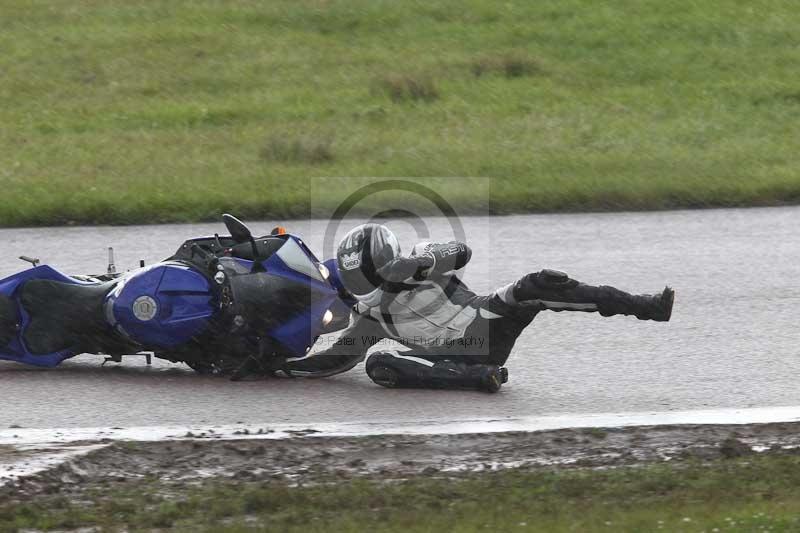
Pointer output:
x,y
553,279
388,370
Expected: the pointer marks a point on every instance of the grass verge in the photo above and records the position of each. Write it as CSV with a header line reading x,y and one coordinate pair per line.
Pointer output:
x,y
132,111
744,494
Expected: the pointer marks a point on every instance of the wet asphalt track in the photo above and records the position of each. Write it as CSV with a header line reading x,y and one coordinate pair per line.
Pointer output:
x,y
733,341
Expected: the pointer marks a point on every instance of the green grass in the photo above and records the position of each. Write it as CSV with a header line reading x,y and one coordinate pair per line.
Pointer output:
x,y
138,111
733,494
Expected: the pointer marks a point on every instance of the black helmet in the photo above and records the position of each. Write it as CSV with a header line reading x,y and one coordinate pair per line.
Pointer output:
x,y
361,252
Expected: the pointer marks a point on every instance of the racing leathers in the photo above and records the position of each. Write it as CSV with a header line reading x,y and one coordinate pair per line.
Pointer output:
x,y
448,329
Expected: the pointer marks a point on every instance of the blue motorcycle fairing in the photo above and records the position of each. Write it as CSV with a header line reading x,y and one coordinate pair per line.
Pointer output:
x,y
296,264
336,281
168,304
163,305
16,349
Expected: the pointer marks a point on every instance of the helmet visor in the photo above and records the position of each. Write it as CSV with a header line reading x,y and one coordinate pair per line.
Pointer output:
x,y
357,283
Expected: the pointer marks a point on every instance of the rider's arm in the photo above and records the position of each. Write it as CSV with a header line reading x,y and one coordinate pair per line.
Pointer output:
x,y
348,350
429,260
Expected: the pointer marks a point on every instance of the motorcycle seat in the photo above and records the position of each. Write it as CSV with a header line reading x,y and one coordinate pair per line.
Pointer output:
x,y
8,320
63,315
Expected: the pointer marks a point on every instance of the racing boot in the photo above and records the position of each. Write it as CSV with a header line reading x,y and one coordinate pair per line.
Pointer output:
x,y
656,307
392,370
556,291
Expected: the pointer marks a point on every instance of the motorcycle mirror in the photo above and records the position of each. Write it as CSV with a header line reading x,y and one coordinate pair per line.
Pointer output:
x,y
237,228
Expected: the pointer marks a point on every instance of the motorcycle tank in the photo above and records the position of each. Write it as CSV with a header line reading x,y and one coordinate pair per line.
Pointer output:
x,y
162,306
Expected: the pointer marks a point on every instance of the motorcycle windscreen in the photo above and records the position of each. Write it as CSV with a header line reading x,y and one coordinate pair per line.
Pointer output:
x,y
281,305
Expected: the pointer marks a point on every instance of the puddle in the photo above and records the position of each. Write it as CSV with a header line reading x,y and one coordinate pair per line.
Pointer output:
x,y
33,436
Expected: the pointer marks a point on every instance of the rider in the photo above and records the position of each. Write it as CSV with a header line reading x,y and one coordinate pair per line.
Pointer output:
x,y
455,338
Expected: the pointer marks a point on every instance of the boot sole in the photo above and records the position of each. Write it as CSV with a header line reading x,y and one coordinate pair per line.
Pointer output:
x,y
670,301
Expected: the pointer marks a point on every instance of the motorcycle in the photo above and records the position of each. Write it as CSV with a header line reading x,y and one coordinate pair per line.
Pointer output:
x,y
220,304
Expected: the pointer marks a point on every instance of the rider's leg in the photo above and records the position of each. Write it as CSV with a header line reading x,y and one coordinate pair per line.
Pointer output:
x,y
395,369
474,361
554,290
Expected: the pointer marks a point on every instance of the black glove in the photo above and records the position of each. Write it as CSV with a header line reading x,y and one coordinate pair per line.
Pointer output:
x,y
405,268
436,258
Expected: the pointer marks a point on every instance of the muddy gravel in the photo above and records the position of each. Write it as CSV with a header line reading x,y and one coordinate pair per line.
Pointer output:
x,y
308,459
